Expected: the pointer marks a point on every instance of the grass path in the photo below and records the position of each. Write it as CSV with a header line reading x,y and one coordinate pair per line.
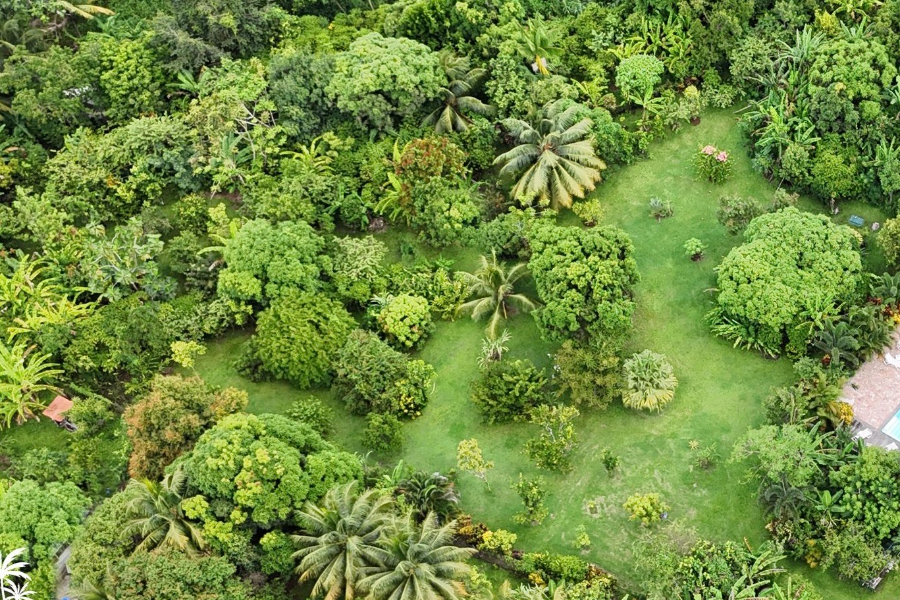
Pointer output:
x,y
720,392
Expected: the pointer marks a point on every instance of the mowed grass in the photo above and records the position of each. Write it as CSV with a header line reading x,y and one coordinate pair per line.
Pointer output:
x,y
720,393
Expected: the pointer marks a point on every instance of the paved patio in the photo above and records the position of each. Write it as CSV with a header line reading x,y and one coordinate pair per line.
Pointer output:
x,y
874,393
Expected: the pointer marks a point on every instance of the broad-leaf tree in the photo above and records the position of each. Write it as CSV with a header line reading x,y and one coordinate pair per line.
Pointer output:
x,y
554,158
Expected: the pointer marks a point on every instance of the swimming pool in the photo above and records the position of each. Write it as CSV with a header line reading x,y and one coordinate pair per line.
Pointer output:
x,y
893,427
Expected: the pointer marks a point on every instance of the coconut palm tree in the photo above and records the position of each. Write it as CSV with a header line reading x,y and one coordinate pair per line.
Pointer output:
x,y
556,155
23,376
156,515
536,44
339,547
784,500
493,284
649,381
422,563
10,571
430,493
457,95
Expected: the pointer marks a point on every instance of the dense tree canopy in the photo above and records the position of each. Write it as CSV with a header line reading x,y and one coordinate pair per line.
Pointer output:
x,y
584,280
794,268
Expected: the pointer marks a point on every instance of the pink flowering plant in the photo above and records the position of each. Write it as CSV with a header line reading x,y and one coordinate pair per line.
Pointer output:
x,y
713,164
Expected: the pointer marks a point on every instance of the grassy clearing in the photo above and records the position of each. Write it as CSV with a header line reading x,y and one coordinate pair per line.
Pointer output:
x,y
719,396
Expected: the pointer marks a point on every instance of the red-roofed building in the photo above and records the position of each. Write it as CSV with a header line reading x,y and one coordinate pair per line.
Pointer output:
x,y
56,409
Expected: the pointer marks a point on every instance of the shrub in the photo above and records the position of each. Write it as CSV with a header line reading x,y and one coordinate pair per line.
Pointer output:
x,y
735,213
589,211
499,541
373,377
171,417
507,390
298,335
555,566
647,508
649,381
405,321
532,491
610,461
889,241
660,209
589,372
314,413
712,164
383,433
784,199
693,249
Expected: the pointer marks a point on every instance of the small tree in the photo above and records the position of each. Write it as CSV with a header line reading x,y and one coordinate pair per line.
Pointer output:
x,y
405,320
649,381
383,433
648,508
693,249
610,461
553,446
532,491
507,390
470,459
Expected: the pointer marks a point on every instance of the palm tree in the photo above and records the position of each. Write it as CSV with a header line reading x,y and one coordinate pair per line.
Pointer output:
x,y
457,95
422,563
157,516
430,493
494,286
339,546
649,381
784,500
839,344
10,570
23,376
557,156
536,44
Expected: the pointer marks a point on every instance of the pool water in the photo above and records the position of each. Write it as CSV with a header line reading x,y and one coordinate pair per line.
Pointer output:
x,y
893,427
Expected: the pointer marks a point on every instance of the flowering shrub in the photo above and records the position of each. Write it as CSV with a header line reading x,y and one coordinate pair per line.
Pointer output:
x,y
713,164
499,541
647,508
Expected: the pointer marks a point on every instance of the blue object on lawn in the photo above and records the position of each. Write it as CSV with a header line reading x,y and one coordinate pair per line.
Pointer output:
x,y
857,221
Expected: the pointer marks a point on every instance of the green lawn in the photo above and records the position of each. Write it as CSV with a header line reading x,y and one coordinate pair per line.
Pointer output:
x,y
720,392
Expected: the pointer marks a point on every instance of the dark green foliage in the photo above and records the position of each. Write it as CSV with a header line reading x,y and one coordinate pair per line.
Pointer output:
x,y
383,433
508,390
735,213
314,413
100,542
373,377
584,280
297,82
235,26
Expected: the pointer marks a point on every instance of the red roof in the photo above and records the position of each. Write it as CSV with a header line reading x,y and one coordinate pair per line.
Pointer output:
x,y
56,409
